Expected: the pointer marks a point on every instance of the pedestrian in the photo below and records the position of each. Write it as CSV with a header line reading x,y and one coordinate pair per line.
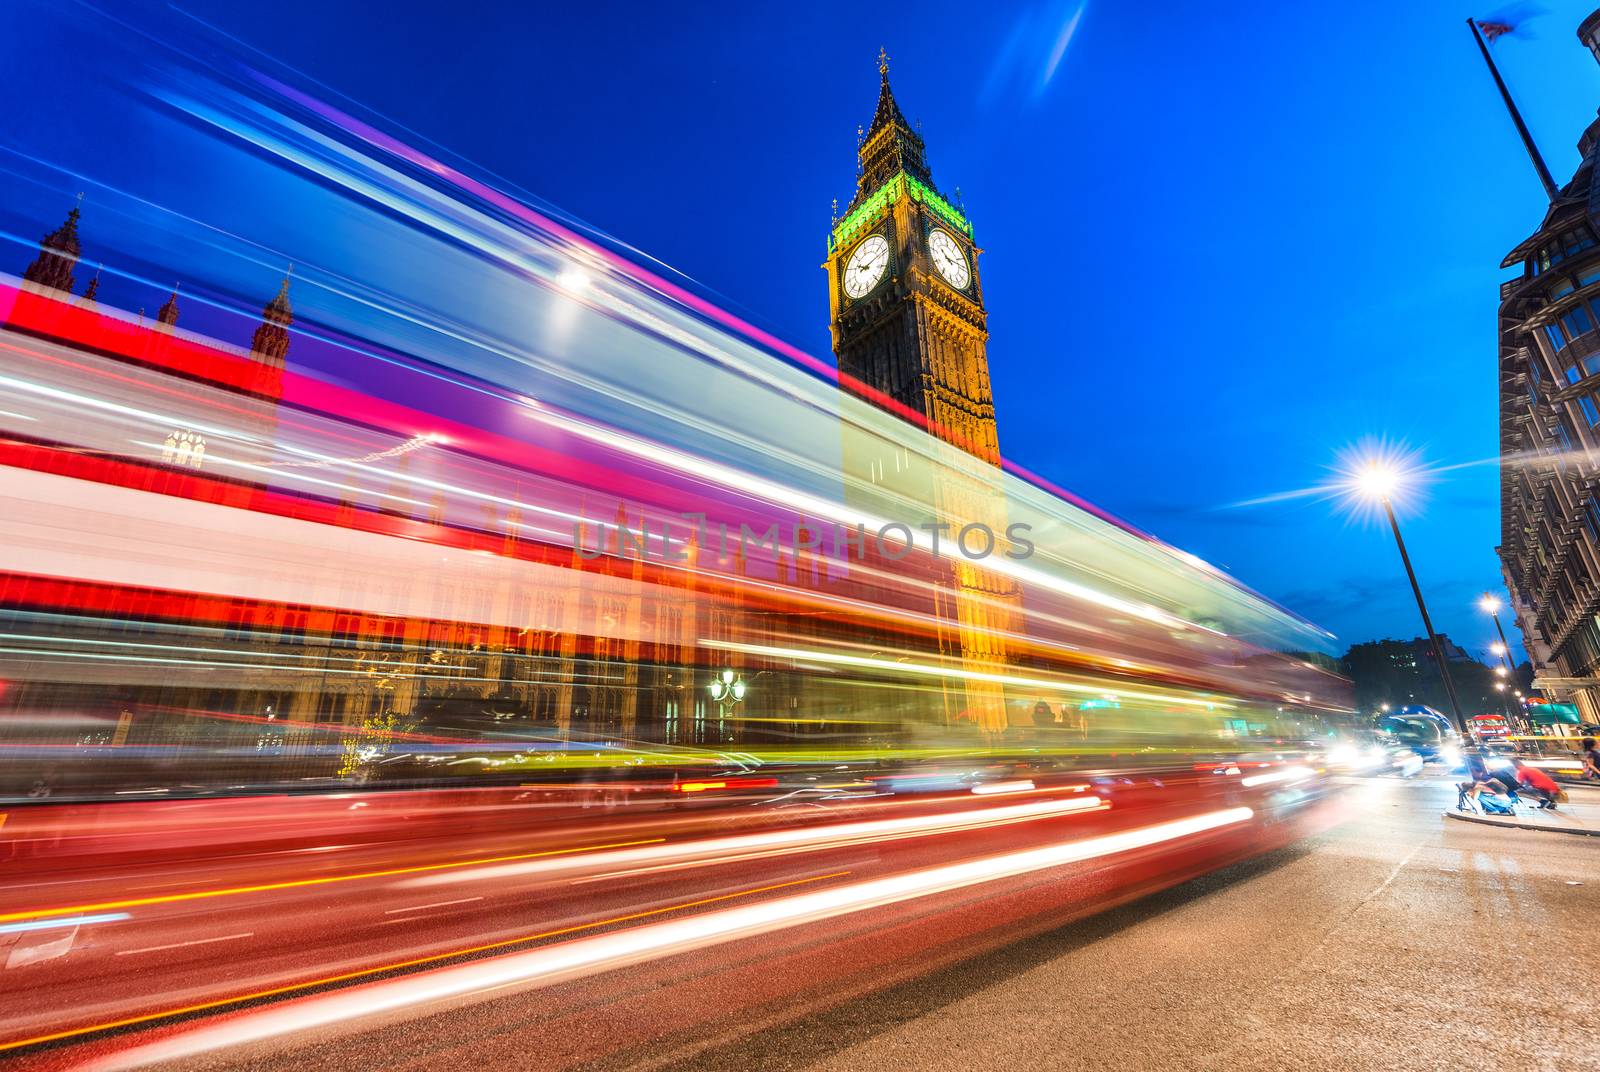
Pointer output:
x,y
1480,781
1537,783
1591,759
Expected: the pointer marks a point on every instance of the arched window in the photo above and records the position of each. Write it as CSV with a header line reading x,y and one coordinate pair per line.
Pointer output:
x,y
184,448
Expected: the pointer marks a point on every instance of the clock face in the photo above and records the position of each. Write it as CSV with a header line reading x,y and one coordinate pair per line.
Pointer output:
x,y
948,258
867,265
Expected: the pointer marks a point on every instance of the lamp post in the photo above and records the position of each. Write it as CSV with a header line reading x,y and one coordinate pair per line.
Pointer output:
x,y
1490,605
727,689
1378,483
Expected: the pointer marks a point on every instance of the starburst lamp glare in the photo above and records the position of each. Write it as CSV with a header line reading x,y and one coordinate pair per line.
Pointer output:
x,y
1376,480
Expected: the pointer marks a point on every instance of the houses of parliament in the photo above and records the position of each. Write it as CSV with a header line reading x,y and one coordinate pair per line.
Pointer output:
x,y
336,688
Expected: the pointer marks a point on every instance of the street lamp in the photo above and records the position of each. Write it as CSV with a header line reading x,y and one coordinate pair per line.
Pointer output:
x,y
727,688
1490,604
1377,482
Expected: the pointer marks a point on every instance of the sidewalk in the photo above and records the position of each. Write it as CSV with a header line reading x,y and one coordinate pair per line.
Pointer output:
x,y
1580,815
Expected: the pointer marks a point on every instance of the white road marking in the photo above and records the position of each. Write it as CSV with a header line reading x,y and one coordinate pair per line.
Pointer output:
x,y
436,904
180,945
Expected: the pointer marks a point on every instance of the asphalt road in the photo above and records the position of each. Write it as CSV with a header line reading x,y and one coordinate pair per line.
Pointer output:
x,y
1398,940
1395,940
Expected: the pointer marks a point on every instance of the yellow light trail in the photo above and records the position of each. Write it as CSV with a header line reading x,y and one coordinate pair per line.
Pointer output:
x,y
843,659
255,995
229,891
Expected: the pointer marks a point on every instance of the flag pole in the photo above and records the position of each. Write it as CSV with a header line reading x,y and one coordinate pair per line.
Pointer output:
x,y
1550,188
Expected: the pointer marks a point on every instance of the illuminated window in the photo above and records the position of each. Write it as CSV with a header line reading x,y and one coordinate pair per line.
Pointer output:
x,y
184,448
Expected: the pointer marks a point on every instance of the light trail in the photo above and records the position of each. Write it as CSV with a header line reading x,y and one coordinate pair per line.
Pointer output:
x,y
811,505
364,973
588,956
232,891
1288,774
64,921
919,669
780,842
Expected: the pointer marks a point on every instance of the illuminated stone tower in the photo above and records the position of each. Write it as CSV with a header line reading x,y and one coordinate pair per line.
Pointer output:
x,y
908,316
271,339
909,323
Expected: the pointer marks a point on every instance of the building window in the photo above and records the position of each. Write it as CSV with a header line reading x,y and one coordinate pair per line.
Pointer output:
x,y
1577,322
1591,517
1566,244
1590,276
1562,291
1591,412
344,631
1552,332
1569,430
1575,241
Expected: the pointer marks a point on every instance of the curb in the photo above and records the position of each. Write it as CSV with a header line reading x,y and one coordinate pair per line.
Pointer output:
x,y
1517,824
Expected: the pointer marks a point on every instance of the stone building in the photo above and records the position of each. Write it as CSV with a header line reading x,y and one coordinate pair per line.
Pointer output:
x,y
1549,380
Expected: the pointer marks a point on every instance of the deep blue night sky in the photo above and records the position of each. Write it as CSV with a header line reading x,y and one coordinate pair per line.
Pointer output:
x,y
1223,242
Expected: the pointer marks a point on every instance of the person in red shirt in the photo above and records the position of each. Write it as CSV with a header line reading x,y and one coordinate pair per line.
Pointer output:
x,y
1535,781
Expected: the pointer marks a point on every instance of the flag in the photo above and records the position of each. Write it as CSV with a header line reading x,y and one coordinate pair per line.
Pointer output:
x,y
1493,30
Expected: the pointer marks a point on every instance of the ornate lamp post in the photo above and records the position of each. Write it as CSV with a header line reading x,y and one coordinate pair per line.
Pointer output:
x,y
728,690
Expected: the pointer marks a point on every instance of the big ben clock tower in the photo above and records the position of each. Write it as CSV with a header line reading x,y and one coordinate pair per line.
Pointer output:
x,y
908,316
909,323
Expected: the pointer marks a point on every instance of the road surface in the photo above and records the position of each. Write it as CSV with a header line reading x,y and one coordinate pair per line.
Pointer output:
x,y
1396,940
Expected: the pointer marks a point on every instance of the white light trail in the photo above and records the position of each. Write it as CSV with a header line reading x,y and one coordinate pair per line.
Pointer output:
x,y
606,952
751,846
726,476
1288,774
999,788
61,921
89,402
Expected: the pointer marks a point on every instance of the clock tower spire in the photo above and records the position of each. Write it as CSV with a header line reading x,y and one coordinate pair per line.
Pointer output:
x,y
908,316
